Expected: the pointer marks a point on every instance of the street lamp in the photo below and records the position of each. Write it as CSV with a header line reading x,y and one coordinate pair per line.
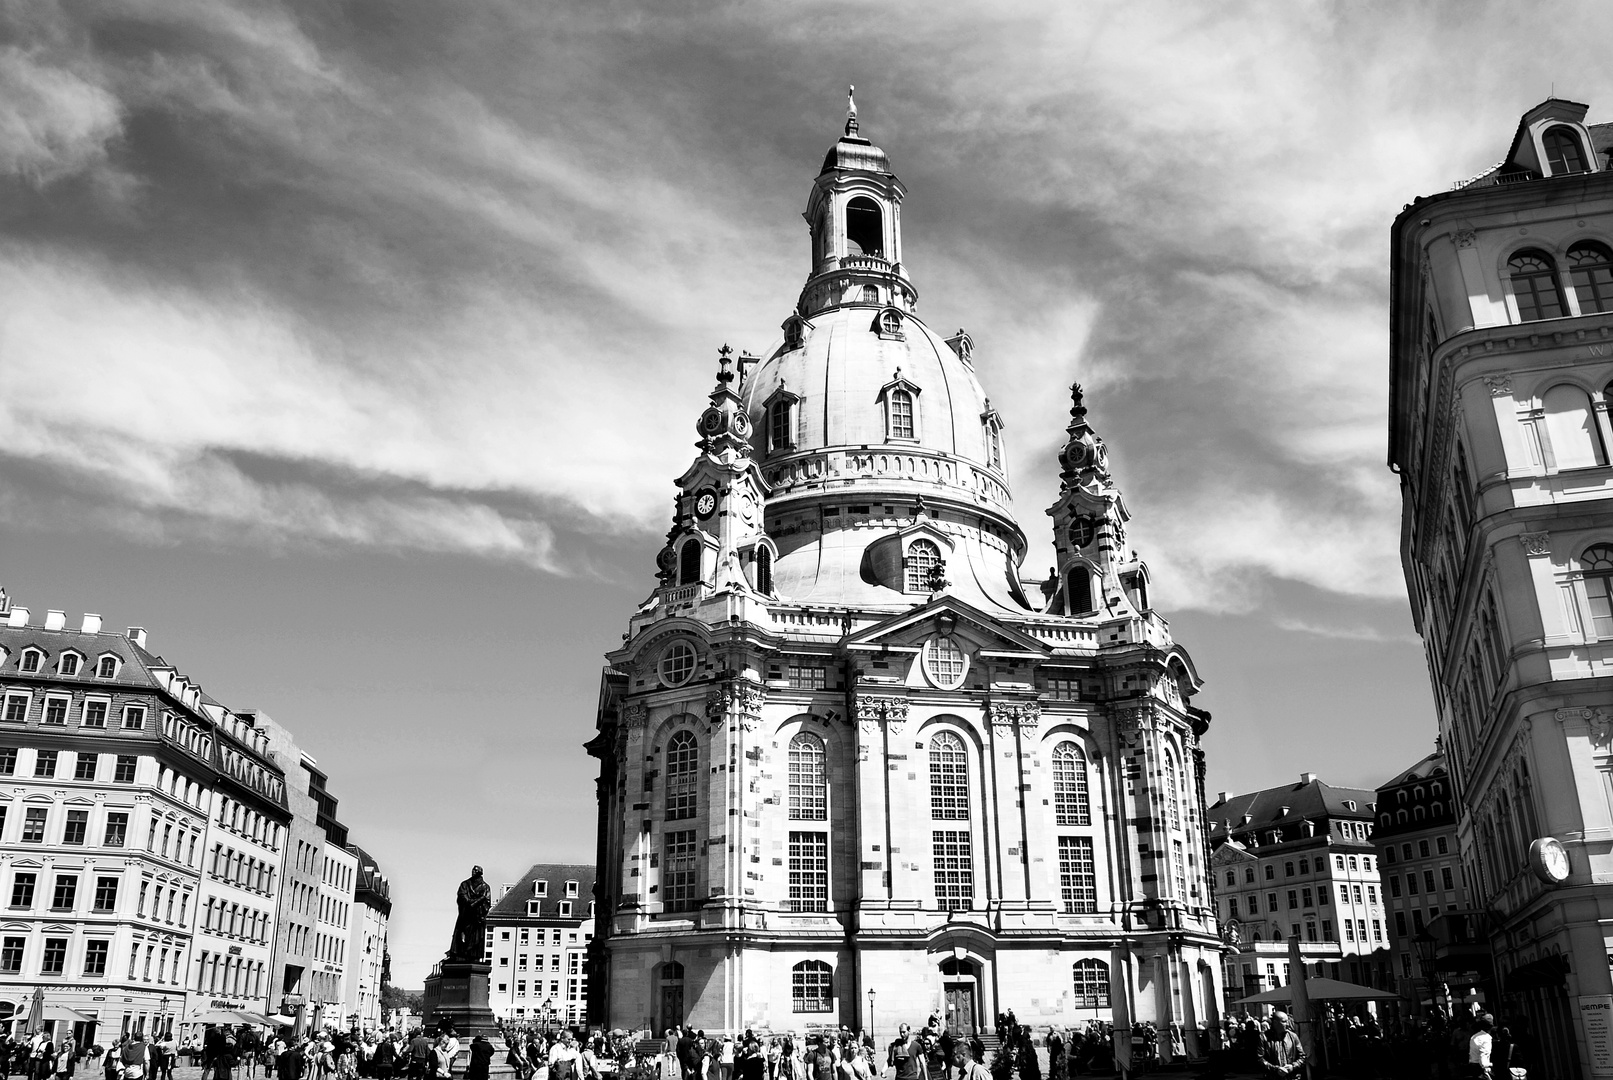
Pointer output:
x,y
548,1013
1425,944
871,1012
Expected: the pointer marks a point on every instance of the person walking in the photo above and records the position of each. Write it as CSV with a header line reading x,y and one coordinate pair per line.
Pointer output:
x,y
1282,1054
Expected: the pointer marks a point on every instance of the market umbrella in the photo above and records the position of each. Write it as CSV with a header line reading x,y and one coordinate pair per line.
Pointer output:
x,y
63,1013
221,1016
1319,988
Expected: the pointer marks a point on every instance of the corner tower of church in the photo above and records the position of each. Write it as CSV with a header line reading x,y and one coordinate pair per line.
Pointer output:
x,y
846,747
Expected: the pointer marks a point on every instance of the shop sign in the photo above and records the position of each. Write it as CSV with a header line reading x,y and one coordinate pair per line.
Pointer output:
x,y
1596,1020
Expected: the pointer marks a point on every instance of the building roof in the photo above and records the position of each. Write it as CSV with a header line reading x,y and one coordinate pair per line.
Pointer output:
x,y
1309,799
1432,765
512,905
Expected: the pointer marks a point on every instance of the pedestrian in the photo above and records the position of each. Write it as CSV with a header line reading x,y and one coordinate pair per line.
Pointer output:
x,y
481,1057
1479,1046
1282,1054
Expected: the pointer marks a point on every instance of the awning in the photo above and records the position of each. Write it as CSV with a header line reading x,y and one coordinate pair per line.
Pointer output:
x,y
1537,974
1320,989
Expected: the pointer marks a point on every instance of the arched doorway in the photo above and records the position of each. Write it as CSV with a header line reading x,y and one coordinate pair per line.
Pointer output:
x,y
669,996
960,985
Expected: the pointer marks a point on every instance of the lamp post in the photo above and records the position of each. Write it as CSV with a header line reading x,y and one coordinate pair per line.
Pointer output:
x,y
871,1012
1424,943
548,1013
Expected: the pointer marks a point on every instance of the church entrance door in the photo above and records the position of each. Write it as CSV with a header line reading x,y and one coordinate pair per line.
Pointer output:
x,y
671,999
961,1008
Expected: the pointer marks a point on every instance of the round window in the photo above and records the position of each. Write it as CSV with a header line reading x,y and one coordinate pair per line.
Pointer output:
x,y
890,323
677,663
1082,531
944,662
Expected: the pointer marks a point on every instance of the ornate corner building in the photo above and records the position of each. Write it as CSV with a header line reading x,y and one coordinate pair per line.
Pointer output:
x,y
1501,371
850,762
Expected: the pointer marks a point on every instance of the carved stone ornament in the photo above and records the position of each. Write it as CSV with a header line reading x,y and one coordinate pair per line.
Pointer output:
x,y
1006,714
1499,385
1600,719
872,710
743,698
1135,718
1537,543
1463,238
635,715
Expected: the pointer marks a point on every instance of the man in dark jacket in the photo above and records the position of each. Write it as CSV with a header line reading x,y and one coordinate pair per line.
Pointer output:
x,y
420,1056
384,1060
689,1054
291,1063
481,1056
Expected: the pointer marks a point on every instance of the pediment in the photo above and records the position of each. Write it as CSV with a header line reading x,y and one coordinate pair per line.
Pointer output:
x,y
910,629
1231,852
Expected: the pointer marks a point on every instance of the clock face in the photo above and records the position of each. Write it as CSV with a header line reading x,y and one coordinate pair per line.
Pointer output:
x,y
741,423
705,504
711,421
747,508
1549,860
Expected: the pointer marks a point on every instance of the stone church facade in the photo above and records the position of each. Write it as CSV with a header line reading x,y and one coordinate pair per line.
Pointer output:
x,y
854,769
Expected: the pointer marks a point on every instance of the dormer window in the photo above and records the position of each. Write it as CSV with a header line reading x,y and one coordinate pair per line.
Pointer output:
x,y
68,664
888,324
107,668
571,888
922,562
540,888
781,420
900,398
794,332
994,445
1564,153
1080,590
32,659
764,570
899,415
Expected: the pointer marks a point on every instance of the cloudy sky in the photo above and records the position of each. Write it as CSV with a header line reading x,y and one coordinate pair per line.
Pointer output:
x,y
352,347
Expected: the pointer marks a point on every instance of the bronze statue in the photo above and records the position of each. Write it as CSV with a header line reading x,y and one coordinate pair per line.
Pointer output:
x,y
475,898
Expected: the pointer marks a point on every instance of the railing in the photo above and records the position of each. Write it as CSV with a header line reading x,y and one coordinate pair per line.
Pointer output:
x,y
682,594
865,262
1493,178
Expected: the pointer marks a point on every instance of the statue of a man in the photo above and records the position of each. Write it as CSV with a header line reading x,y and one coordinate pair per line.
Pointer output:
x,y
475,899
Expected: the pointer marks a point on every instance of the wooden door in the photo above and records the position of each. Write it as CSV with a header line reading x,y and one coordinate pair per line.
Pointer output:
x,y
961,1008
671,1007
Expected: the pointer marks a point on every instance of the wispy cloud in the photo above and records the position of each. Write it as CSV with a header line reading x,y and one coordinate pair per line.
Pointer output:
x,y
458,280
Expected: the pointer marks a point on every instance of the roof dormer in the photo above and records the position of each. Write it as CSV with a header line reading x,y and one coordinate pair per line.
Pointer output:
x,y
1552,140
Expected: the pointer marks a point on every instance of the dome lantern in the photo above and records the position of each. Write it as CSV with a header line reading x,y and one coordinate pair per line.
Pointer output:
x,y
854,214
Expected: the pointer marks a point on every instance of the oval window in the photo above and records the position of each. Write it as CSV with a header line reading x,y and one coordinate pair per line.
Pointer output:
x,y
677,663
944,662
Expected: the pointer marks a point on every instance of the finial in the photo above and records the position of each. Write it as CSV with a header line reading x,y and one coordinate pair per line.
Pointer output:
x,y
851,110
1078,409
724,358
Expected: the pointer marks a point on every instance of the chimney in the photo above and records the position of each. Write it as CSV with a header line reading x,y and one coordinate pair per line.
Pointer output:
x,y
55,620
1307,778
19,617
1223,796
92,624
137,634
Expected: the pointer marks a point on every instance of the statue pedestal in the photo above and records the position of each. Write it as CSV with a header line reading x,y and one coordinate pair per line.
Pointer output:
x,y
457,993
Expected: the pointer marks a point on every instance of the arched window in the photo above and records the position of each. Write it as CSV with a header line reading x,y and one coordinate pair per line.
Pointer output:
x,y
1590,268
689,562
1091,984
870,294
809,791
764,571
1575,442
1080,580
1071,802
812,987
1563,151
899,414
1232,877
865,229
949,778
682,776
1598,565
780,429
1534,284
923,557
1173,791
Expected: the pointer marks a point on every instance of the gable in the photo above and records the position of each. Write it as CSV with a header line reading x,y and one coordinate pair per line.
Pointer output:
x,y
947,614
